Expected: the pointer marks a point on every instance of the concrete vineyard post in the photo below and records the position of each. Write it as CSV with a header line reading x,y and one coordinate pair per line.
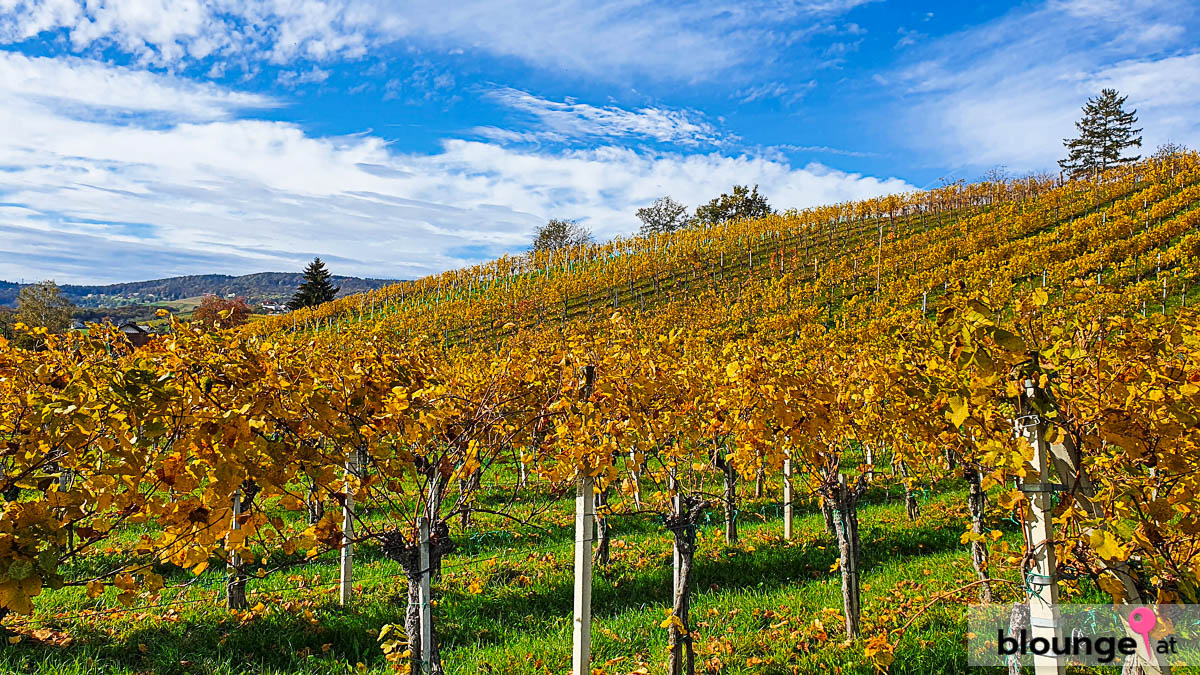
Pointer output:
x,y
425,599
346,568
581,632
635,476
788,509
1043,610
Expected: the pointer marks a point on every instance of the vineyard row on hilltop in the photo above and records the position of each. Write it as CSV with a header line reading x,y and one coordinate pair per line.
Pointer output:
x,y
912,331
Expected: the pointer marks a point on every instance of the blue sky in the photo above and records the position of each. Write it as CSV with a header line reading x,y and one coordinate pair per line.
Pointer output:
x,y
149,138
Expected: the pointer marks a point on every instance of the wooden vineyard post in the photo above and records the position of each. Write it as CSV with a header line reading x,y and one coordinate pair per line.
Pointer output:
x,y
1043,600
677,503
788,509
65,479
912,507
345,588
581,634
602,531
235,589
425,601
731,506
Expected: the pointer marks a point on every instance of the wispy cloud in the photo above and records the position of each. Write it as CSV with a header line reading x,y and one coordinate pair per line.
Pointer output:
x,y
785,93
569,119
827,150
699,41
1008,92
93,199
83,86
292,78
908,37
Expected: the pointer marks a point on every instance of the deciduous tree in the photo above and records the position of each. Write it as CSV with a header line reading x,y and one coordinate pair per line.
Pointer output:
x,y
43,304
215,311
559,233
663,216
743,203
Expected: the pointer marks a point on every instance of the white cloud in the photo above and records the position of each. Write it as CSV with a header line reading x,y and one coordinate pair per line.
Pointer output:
x,y
696,42
787,94
71,83
92,199
826,149
908,37
568,119
1008,92
292,78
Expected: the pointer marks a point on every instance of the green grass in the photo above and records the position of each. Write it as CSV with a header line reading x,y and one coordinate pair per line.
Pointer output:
x,y
764,606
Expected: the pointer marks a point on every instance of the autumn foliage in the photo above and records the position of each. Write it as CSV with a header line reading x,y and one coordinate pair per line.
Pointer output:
x,y
215,311
905,324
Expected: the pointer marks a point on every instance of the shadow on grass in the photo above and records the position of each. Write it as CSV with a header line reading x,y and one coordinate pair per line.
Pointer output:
x,y
213,641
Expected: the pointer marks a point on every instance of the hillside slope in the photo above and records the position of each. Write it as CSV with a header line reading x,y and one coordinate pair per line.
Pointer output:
x,y
254,287
1132,227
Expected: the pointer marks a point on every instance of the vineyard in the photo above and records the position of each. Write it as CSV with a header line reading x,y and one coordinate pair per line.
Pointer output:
x,y
797,443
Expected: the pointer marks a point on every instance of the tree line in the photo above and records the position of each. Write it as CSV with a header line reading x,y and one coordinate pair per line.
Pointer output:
x,y
1106,133
663,216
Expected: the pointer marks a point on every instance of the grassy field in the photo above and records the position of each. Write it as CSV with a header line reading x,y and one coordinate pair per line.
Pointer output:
x,y
504,603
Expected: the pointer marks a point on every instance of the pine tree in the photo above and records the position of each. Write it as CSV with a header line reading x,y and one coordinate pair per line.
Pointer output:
x,y
316,288
1105,131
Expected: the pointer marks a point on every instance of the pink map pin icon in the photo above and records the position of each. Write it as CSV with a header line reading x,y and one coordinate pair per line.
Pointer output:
x,y
1142,620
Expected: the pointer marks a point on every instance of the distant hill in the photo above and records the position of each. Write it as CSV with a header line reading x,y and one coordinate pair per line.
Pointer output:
x,y
254,287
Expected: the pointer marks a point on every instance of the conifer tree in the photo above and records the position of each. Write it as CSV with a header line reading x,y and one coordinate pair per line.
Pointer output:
x,y
1105,131
317,287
